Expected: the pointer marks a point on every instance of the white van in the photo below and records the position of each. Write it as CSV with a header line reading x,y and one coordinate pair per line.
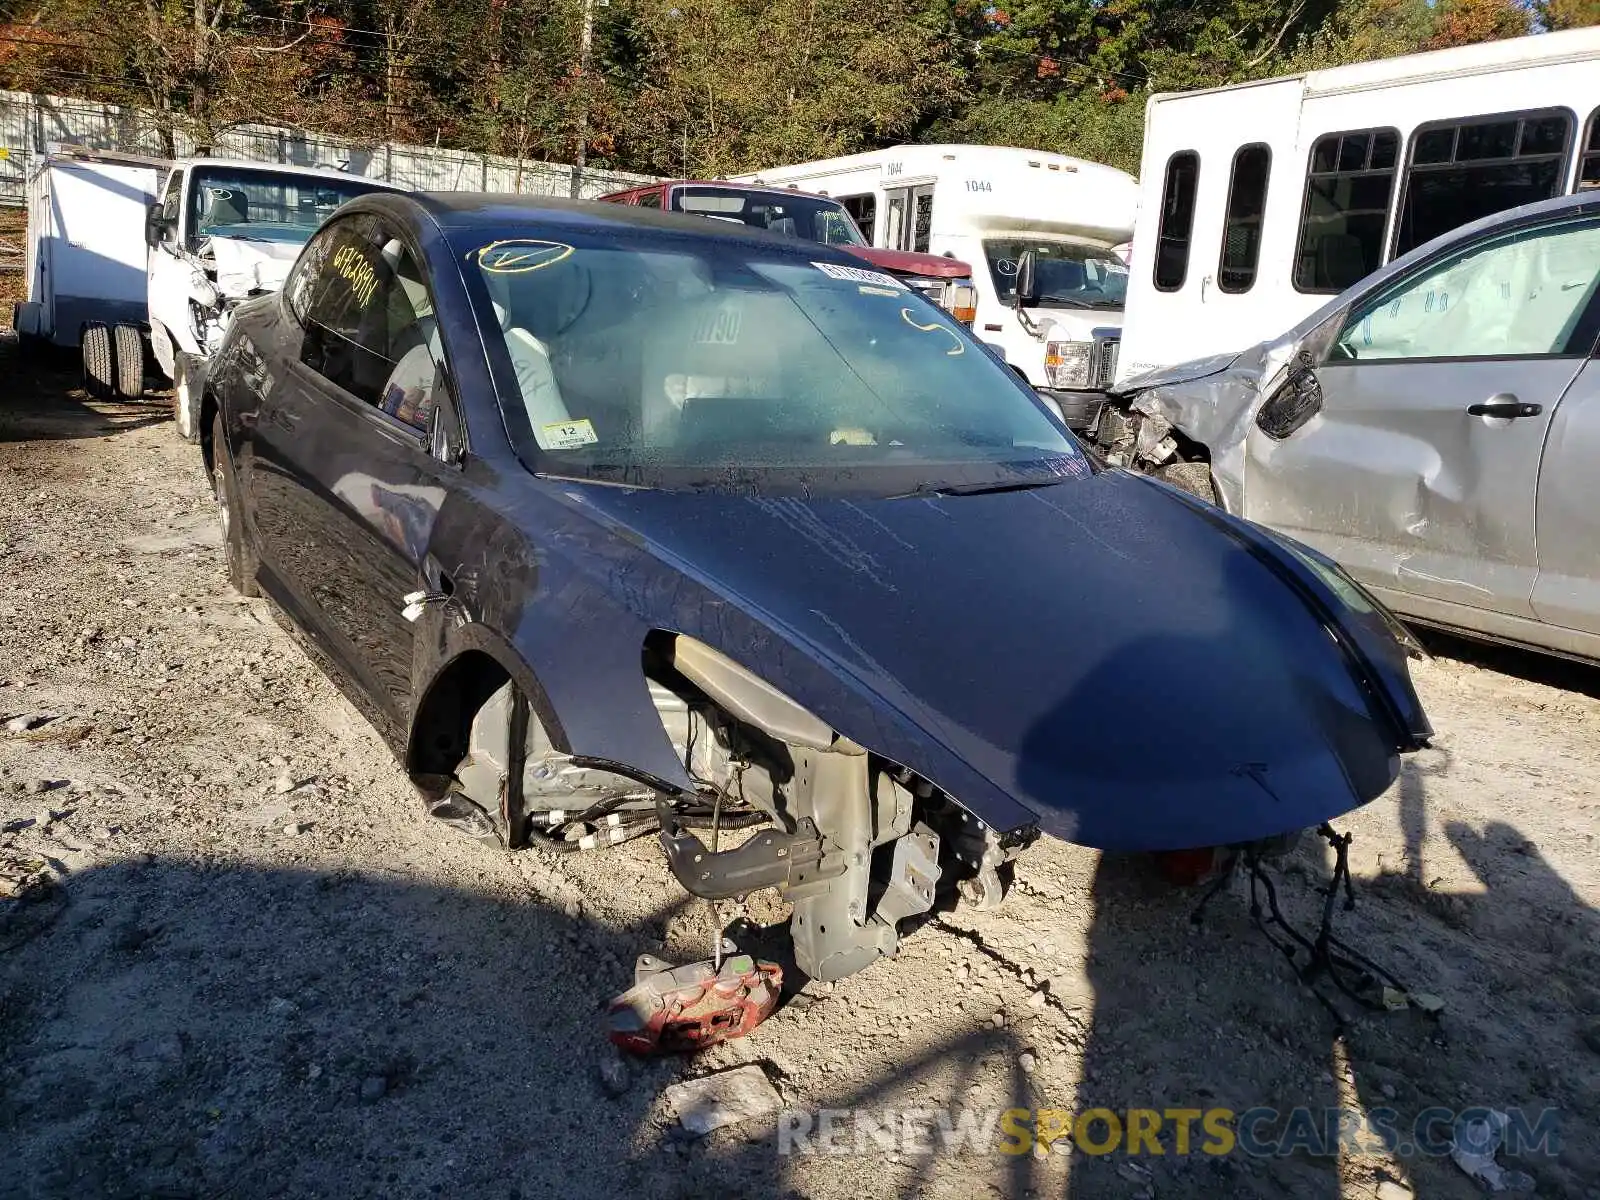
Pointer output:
x,y
990,206
1261,200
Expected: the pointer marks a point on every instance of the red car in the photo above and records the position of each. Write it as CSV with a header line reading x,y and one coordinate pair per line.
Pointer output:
x,y
945,281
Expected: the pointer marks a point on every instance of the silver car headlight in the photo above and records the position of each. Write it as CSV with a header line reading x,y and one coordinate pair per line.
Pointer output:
x,y
1066,364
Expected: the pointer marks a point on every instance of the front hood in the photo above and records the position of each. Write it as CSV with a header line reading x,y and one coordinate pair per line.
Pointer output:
x,y
247,267
1099,652
905,262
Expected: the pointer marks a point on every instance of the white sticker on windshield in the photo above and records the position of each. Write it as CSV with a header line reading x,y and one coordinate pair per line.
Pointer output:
x,y
857,275
567,435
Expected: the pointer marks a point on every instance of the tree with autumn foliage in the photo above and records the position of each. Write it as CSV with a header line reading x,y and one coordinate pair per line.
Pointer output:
x,y
703,87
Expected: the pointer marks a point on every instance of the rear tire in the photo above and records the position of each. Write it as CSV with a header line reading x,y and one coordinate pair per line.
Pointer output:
x,y
241,558
130,362
99,362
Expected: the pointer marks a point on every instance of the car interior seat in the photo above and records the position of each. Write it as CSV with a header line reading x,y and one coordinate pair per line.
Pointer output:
x,y
226,206
415,347
530,355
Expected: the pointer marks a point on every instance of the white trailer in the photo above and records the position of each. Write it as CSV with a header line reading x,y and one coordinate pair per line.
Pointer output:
x,y
86,263
221,232
994,206
1261,200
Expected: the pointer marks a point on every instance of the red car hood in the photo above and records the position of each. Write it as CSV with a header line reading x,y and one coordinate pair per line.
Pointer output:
x,y
904,262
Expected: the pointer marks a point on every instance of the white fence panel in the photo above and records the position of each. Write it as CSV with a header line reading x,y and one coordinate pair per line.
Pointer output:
x,y
31,124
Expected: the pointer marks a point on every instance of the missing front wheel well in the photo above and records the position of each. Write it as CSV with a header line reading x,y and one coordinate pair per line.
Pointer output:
x,y
443,725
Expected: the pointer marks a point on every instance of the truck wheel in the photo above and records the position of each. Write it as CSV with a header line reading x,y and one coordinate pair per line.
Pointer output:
x,y
99,363
1192,477
130,361
241,558
186,386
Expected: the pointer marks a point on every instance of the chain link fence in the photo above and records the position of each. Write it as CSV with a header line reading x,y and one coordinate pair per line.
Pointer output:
x,y
31,125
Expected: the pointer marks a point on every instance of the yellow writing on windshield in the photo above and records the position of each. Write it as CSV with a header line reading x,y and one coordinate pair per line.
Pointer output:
x,y
910,318
516,256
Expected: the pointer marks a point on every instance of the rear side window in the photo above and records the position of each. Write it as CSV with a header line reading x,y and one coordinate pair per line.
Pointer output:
x,y
650,200
1348,187
1177,220
1462,170
1241,229
369,321
1589,166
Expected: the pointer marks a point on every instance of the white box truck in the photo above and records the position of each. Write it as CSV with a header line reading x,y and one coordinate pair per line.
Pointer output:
x,y
85,264
122,249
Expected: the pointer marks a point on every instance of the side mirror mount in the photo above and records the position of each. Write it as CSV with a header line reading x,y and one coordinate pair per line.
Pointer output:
x,y
1025,292
445,442
156,226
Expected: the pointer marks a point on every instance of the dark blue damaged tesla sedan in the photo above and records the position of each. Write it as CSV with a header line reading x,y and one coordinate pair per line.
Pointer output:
x,y
622,523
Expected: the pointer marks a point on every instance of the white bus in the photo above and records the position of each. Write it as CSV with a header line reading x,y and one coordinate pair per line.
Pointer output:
x,y
1261,200
990,206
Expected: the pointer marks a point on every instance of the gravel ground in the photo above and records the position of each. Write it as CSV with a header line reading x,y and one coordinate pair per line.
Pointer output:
x,y
243,963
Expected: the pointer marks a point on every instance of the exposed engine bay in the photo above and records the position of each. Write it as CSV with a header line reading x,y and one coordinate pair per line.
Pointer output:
x,y
855,842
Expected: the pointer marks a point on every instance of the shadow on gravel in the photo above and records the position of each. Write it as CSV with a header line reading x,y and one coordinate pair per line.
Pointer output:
x,y
1567,674
219,1030
42,399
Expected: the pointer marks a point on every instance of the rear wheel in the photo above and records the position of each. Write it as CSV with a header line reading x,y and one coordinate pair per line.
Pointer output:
x,y
99,362
129,345
241,559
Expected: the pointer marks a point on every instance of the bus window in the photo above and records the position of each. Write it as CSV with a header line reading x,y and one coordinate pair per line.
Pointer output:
x,y
1462,170
863,210
923,226
1589,167
1348,186
1177,220
1241,228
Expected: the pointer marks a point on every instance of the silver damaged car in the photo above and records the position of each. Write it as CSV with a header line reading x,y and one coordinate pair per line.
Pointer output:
x,y
1435,429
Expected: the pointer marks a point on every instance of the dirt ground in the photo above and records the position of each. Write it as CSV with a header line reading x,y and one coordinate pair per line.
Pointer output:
x,y
255,968
13,282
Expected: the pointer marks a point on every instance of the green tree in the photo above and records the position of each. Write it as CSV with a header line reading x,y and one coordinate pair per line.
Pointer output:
x,y
737,84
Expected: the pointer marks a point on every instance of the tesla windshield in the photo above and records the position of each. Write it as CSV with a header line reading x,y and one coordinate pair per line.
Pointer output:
x,y
691,363
1069,275
267,206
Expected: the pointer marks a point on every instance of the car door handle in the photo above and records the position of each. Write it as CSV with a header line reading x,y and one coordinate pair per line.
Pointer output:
x,y
1504,405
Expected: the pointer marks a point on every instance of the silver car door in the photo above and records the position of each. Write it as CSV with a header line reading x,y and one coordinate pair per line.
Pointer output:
x,y
1567,592
1419,471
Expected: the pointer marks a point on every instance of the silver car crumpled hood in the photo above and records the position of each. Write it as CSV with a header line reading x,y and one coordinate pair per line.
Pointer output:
x,y
1212,400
